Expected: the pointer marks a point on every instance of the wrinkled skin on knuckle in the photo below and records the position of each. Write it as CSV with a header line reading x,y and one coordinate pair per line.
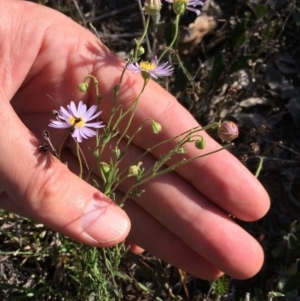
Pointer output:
x,y
46,189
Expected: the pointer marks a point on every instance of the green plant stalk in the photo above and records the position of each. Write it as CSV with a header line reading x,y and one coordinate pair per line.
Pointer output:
x,y
79,159
133,110
186,161
134,134
167,170
259,167
140,42
174,39
116,94
112,178
185,72
100,141
95,81
61,145
188,133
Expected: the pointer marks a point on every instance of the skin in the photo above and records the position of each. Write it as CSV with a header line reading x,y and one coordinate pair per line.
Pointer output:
x,y
182,217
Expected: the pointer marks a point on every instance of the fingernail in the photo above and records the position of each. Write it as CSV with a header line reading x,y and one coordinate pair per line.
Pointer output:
x,y
104,222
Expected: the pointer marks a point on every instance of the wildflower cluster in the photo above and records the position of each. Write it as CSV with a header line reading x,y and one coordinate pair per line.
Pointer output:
x,y
82,122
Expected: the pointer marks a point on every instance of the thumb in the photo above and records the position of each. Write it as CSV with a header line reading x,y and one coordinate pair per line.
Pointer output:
x,y
40,187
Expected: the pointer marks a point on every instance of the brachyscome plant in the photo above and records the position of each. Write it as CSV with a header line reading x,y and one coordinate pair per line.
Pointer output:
x,y
83,123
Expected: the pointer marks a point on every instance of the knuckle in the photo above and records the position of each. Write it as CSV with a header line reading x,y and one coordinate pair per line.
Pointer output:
x,y
46,187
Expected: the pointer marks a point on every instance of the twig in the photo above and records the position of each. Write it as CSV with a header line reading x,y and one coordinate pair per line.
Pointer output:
x,y
80,13
112,13
144,24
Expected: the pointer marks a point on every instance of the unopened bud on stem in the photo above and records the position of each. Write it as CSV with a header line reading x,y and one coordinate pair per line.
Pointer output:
x,y
152,7
156,127
200,143
228,131
134,170
83,87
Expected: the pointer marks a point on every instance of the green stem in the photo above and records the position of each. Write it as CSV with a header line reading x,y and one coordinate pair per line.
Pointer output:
x,y
79,159
95,81
140,42
167,170
185,72
62,144
134,106
259,167
149,150
174,39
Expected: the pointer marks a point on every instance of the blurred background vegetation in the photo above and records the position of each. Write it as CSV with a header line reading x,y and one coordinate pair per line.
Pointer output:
x,y
240,60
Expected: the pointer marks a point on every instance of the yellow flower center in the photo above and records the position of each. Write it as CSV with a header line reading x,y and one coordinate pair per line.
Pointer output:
x,y
145,66
77,122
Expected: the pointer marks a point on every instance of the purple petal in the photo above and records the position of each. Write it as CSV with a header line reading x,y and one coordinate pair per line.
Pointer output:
x,y
88,132
77,136
89,114
82,108
154,60
64,113
197,11
97,125
59,124
72,109
134,67
194,2
152,73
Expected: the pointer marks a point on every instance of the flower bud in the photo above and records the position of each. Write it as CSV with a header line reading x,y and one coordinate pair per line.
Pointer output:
x,y
152,7
140,51
200,143
156,127
83,87
134,169
117,152
179,6
181,150
228,131
105,167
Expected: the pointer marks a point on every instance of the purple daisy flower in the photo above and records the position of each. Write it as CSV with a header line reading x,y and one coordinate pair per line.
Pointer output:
x,y
187,5
151,68
77,119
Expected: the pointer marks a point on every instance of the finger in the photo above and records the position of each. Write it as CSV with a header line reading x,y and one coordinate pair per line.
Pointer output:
x,y
133,248
160,242
44,189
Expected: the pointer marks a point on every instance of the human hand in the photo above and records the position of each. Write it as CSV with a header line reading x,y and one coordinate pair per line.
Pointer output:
x,y
182,217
